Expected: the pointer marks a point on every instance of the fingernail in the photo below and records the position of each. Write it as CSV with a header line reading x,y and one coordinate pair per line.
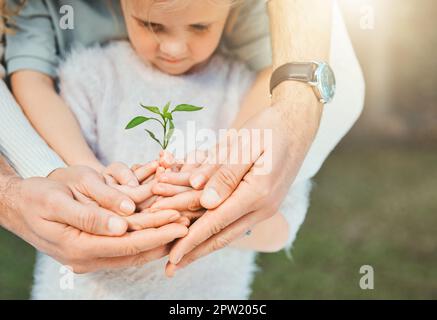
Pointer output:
x,y
163,179
127,206
197,181
177,259
116,226
210,197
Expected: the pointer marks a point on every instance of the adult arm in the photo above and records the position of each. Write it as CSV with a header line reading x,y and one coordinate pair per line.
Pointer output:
x,y
236,195
44,213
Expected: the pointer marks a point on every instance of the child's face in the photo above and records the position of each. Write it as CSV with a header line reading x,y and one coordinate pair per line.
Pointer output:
x,y
175,39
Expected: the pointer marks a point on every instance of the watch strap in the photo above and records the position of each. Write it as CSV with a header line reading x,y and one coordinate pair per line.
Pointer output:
x,y
299,71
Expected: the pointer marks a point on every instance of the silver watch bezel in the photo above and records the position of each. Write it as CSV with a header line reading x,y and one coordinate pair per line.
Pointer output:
x,y
318,84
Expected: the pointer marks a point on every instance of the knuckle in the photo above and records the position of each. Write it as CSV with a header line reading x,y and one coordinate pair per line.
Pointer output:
x,y
227,178
131,250
194,203
87,219
217,227
220,243
141,259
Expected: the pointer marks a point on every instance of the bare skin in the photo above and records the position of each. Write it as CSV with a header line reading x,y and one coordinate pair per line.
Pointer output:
x,y
45,213
236,197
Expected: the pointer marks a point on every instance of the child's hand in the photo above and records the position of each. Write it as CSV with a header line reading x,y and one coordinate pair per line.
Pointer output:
x,y
177,188
171,186
119,173
139,193
147,175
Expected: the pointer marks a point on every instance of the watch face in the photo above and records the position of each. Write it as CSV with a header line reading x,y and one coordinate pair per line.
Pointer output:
x,y
326,82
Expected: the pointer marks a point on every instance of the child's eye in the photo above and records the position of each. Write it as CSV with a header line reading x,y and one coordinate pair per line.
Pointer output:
x,y
155,27
200,27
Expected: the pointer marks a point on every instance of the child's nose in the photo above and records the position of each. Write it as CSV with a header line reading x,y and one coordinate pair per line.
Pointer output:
x,y
175,49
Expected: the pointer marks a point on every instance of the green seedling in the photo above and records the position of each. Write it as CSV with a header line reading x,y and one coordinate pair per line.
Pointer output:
x,y
165,119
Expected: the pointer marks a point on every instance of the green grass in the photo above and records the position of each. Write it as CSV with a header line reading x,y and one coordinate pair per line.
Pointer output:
x,y
373,206
369,207
16,265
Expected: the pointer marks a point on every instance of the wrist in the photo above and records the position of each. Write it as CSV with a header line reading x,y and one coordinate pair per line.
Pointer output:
x,y
9,199
299,106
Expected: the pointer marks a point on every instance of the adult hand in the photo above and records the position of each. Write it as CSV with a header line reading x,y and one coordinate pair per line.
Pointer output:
x,y
44,213
89,187
240,195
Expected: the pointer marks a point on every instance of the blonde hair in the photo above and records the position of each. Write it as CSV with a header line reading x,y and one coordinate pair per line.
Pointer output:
x,y
178,4
6,15
2,13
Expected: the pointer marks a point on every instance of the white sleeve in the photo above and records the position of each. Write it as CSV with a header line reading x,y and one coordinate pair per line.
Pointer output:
x,y
295,207
26,150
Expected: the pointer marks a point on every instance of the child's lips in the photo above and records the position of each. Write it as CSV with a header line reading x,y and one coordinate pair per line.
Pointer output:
x,y
172,61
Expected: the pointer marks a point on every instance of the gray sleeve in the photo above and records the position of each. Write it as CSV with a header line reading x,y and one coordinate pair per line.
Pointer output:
x,y
248,34
33,45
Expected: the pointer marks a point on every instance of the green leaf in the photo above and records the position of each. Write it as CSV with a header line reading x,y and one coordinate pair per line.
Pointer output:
x,y
168,115
152,135
186,107
136,122
152,109
167,106
169,134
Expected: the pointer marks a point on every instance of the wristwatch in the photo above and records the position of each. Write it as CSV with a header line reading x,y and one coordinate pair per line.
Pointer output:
x,y
318,75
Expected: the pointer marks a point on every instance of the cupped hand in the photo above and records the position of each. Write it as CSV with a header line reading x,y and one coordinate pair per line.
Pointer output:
x,y
46,214
241,194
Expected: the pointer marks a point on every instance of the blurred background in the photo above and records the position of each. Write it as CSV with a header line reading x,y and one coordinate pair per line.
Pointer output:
x,y
375,200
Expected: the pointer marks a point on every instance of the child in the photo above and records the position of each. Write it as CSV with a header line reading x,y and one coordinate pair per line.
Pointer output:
x,y
170,57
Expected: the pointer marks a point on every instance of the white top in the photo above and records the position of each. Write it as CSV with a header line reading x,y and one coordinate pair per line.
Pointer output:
x,y
104,87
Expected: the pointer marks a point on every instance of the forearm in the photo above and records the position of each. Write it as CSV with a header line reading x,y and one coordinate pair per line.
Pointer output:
x,y
52,118
300,31
8,179
256,99
267,236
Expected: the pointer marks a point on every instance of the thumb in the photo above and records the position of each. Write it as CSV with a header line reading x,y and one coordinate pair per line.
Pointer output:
x,y
222,184
110,198
90,218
